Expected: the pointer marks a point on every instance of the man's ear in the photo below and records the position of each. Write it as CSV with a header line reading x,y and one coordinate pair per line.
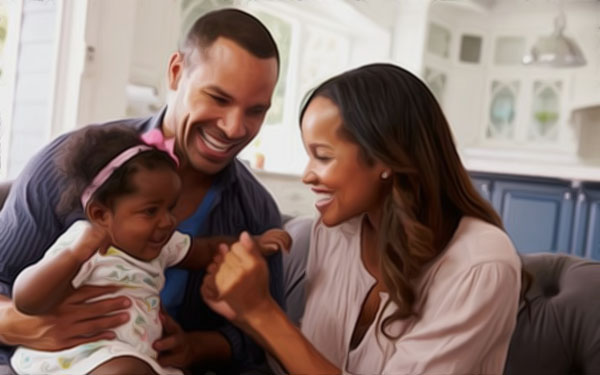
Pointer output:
x,y
176,65
98,214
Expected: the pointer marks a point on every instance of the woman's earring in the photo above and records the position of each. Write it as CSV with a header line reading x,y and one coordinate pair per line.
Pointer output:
x,y
385,175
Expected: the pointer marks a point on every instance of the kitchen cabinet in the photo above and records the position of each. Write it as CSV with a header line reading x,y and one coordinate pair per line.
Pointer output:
x,y
545,214
473,63
586,229
537,216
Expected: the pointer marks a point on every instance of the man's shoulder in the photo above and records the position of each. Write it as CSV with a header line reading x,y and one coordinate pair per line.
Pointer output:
x,y
248,184
246,194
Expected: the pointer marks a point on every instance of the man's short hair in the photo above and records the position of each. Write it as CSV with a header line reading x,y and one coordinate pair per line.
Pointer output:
x,y
241,27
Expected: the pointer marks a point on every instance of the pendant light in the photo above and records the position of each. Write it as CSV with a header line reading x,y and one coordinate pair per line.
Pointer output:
x,y
556,50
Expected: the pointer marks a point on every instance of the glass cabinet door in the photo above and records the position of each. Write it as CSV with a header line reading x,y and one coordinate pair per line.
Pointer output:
x,y
436,81
502,110
545,111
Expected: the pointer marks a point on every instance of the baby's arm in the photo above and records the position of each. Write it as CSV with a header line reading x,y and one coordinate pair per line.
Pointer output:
x,y
41,286
203,249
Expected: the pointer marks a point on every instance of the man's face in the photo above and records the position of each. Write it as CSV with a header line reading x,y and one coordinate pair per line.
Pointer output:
x,y
221,98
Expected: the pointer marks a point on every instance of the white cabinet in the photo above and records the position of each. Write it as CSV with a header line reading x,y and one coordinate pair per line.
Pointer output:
x,y
473,65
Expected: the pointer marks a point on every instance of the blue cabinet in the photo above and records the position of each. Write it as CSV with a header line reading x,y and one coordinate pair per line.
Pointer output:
x,y
545,215
537,216
586,230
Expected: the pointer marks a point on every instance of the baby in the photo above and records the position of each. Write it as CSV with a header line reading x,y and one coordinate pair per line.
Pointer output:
x,y
128,189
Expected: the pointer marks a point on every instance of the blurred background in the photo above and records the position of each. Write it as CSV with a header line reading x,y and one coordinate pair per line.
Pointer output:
x,y
519,81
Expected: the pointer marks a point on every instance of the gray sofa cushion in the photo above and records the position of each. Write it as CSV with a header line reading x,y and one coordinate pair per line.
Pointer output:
x,y
559,331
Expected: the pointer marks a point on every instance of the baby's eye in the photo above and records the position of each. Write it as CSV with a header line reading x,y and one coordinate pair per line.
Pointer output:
x,y
151,211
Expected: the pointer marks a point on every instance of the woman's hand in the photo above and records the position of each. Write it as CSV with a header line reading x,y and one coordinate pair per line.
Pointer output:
x,y
72,322
236,283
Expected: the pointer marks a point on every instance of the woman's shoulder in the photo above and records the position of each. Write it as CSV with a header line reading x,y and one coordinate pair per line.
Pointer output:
x,y
478,242
337,241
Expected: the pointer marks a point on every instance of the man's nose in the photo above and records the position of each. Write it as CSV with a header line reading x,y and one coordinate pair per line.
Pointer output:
x,y
232,124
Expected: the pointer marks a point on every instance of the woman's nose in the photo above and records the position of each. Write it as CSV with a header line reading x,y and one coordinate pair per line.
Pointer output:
x,y
309,176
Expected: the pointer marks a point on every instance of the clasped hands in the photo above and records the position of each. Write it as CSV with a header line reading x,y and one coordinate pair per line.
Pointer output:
x,y
236,284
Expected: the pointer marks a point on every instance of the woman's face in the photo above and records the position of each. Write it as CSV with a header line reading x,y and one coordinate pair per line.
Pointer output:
x,y
345,184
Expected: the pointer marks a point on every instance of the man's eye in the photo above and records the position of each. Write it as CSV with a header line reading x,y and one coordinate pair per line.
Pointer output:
x,y
257,111
219,99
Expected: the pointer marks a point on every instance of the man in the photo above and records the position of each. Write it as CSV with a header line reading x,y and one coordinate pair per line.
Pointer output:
x,y
222,80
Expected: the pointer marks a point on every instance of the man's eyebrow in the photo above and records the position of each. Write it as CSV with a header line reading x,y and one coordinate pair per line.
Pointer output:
x,y
220,91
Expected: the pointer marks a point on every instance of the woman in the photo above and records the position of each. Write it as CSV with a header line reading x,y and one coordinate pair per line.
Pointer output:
x,y
409,270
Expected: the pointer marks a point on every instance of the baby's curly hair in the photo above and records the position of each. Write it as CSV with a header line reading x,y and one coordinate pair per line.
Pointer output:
x,y
89,150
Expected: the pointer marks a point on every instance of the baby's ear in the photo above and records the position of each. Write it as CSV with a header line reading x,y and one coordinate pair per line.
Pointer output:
x,y
98,214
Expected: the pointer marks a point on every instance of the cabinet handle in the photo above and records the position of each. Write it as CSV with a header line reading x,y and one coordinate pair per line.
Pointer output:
x,y
485,188
581,198
567,196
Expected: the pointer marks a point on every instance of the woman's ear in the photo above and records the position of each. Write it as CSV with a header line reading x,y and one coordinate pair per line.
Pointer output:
x,y
384,171
98,214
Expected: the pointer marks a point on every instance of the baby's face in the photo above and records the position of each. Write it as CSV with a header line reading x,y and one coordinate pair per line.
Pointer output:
x,y
141,223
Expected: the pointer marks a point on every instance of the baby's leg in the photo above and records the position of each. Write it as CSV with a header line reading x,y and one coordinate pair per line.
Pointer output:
x,y
124,365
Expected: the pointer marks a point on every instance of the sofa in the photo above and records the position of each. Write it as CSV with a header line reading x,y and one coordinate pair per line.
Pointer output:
x,y
558,324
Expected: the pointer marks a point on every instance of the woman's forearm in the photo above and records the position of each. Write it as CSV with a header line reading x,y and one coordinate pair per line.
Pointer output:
x,y
270,327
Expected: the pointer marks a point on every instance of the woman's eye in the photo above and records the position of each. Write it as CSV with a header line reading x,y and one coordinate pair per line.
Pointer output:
x,y
322,158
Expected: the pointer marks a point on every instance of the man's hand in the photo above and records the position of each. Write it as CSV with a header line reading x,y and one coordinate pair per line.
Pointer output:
x,y
173,348
182,349
72,322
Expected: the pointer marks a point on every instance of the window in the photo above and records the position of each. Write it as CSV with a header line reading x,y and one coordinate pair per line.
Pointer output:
x,y
10,12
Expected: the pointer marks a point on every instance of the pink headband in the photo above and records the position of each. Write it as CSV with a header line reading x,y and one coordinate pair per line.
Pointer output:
x,y
152,138
108,170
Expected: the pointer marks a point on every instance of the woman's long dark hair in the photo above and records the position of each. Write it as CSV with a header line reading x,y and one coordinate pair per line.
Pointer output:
x,y
394,118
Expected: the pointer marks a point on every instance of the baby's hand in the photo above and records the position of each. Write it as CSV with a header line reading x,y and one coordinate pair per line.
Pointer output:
x,y
94,238
273,240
